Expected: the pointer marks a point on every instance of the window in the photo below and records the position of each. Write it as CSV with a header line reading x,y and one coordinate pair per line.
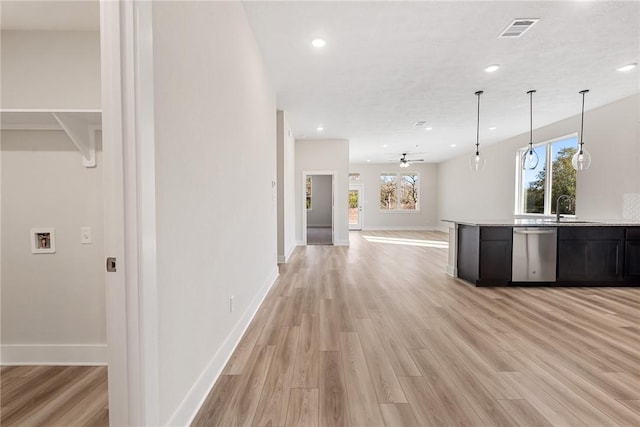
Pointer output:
x,y
308,193
538,189
399,192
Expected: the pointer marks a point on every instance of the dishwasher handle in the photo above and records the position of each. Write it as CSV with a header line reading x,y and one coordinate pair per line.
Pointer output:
x,y
536,231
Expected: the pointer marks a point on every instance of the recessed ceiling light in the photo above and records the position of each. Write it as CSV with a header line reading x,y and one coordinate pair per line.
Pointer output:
x,y
428,128
318,42
492,128
453,145
319,128
492,68
368,161
385,145
627,67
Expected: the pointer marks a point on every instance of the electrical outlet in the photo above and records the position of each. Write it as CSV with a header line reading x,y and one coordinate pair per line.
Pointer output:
x,y
85,235
231,304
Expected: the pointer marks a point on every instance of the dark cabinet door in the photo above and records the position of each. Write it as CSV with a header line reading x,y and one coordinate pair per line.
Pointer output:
x,y
590,261
605,260
632,261
572,260
495,261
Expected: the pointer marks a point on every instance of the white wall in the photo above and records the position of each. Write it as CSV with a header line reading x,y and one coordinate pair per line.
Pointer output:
x,y
286,188
611,135
320,213
50,69
53,305
375,219
314,156
215,216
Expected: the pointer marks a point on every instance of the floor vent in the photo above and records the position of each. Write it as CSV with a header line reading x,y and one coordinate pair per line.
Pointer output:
x,y
518,28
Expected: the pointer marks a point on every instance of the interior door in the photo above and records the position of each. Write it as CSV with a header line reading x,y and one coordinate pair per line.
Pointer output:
x,y
355,207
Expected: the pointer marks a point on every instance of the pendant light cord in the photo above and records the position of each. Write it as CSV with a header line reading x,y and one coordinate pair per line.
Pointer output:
x,y
478,93
531,92
582,120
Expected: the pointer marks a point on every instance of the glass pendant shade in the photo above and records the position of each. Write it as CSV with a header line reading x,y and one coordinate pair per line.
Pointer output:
x,y
477,162
530,159
581,160
404,164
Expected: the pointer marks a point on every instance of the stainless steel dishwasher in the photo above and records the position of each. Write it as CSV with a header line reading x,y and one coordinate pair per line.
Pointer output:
x,y
534,254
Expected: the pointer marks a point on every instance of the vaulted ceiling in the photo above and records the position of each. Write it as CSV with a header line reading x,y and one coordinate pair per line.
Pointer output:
x,y
388,65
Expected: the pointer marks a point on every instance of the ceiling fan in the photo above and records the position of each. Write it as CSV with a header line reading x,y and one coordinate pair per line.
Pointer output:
x,y
405,163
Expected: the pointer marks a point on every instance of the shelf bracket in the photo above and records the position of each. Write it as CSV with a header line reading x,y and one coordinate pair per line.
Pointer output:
x,y
81,134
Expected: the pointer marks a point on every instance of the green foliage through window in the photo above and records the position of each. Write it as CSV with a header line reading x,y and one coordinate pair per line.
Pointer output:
x,y
561,177
353,199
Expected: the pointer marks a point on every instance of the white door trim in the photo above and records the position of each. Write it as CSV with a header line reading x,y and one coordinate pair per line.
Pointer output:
x,y
129,188
360,224
113,178
141,212
334,189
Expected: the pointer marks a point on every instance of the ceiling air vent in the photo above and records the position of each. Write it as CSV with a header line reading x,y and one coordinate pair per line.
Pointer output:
x,y
517,28
420,124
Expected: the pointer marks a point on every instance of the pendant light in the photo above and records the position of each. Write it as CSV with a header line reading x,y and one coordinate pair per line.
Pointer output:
x,y
582,159
477,160
530,158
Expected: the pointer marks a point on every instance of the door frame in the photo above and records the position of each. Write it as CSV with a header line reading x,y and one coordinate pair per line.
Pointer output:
x,y
334,189
129,200
360,189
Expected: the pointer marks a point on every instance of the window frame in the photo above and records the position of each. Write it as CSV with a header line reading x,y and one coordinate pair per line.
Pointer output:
x,y
399,176
548,184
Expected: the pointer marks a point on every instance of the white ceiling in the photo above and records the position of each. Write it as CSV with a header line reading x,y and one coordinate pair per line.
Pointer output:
x,y
387,65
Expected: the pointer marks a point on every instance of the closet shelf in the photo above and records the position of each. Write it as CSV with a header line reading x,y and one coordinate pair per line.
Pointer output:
x,y
80,126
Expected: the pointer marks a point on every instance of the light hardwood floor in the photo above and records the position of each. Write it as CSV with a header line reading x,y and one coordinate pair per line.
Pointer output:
x,y
53,396
377,334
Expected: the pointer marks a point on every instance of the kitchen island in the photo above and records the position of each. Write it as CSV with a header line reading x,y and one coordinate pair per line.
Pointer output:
x,y
545,252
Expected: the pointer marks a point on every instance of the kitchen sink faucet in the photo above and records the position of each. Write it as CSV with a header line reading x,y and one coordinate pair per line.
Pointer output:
x,y
560,198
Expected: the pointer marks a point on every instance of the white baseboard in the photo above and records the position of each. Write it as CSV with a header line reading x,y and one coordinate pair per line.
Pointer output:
x,y
51,354
442,229
284,259
188,408
300,243
452,271
341,243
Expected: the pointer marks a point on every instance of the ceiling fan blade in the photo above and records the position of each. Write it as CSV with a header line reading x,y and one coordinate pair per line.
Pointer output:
x,y
415,160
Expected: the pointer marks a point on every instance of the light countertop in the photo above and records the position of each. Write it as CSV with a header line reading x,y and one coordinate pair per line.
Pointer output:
x,y
546,222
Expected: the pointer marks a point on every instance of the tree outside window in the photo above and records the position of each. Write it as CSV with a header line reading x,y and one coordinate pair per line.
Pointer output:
x,y
308,184
399,191
388,191
541,187
409,192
